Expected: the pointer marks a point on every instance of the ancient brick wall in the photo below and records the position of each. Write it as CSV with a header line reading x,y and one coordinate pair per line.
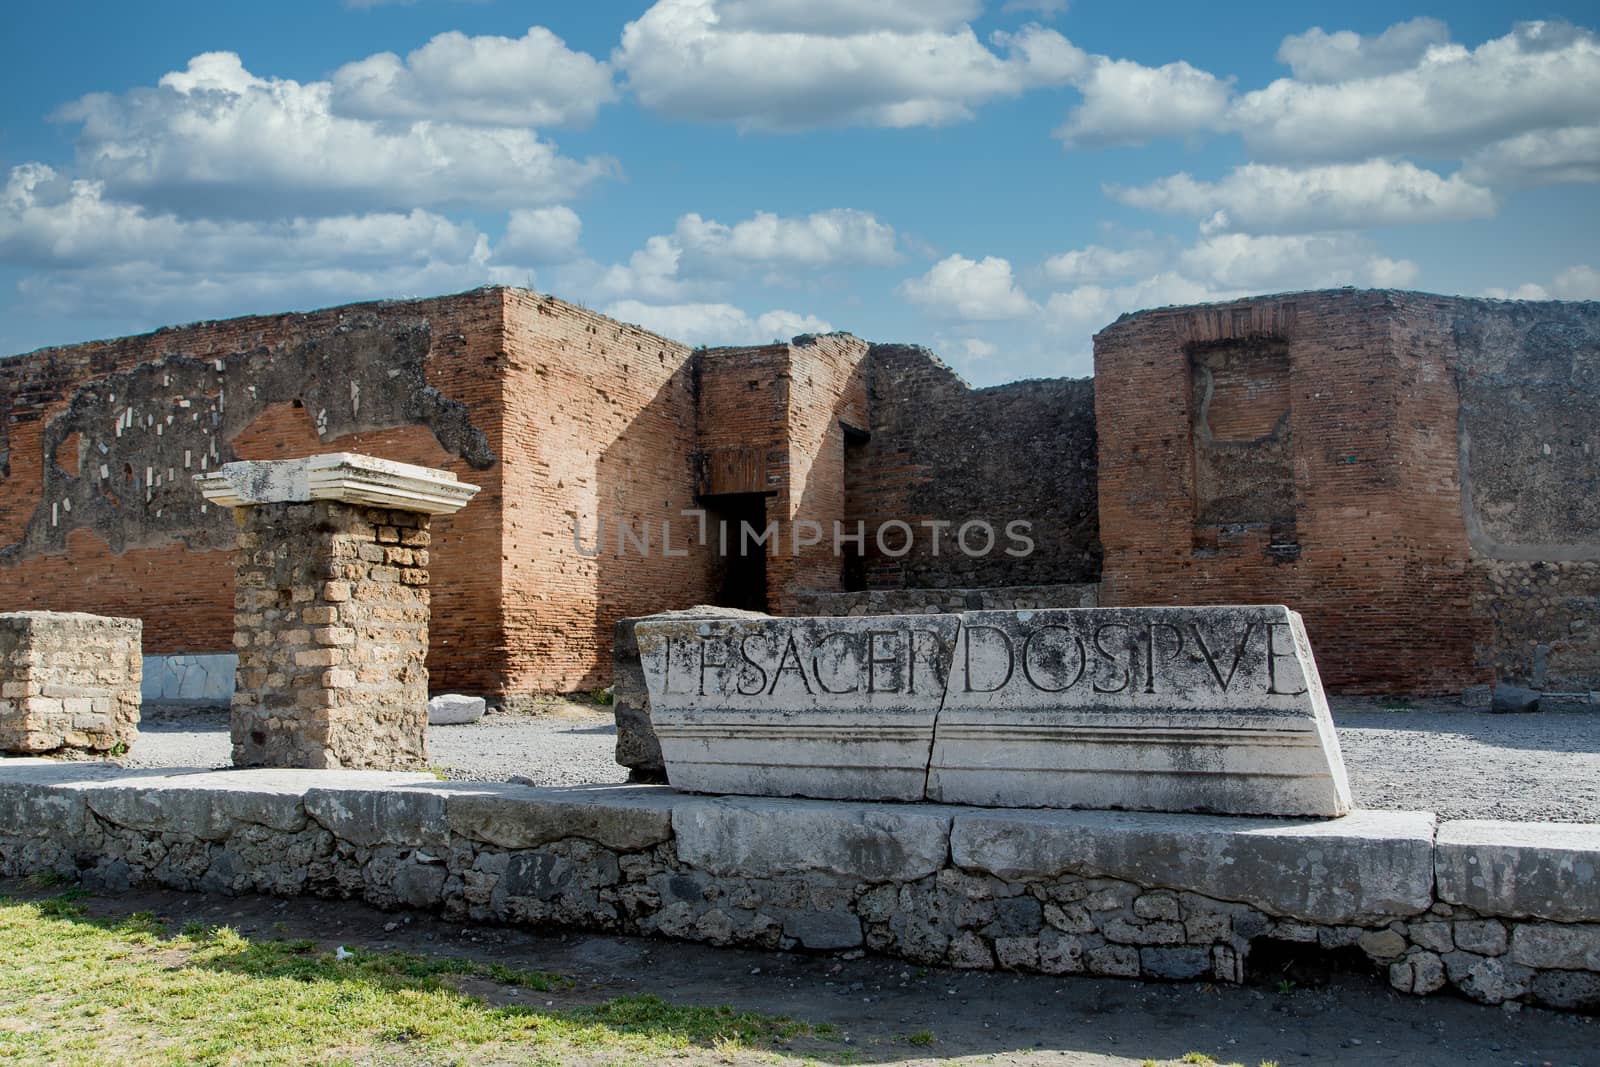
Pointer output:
x,y
600,425
772,420
940,450
1309,449
827,393
98,510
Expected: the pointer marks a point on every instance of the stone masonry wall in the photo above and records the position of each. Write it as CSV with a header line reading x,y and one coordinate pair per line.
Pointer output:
x,y
941,450
1528,438
69,682
332,635
99,442
1494,911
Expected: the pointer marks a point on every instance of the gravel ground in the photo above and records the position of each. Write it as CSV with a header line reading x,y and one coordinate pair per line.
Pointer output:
x,y
1434,756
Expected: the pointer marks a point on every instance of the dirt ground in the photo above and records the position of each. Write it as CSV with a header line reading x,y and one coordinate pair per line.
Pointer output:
x,y
878,1005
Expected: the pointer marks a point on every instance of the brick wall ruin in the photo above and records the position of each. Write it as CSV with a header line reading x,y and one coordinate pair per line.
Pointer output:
x,y
1413,473
941,450
98,511
1306,448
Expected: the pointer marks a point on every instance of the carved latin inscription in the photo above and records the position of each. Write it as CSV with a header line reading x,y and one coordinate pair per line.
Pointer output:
x,y
1173,709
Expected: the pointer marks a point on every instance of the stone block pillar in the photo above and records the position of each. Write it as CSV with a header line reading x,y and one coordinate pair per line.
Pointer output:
x,y
331,608
69,682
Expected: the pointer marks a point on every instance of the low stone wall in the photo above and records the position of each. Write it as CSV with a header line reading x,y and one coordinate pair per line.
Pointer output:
x,y
190,678
68,681
931,601
1496,911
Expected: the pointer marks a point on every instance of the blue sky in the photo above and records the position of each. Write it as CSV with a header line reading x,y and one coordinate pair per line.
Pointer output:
x,y
996,179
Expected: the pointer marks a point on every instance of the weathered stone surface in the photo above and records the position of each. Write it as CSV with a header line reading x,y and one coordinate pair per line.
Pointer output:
x,y
1514,699
837,708
1486,937
1574,947
340,476
759,838
1175,963
69,682
1577,990
210,805
1367,866
1477,696
1546,870
45,797
823,929
453,709
407,816
1382,944
626,818
1213,709
637,746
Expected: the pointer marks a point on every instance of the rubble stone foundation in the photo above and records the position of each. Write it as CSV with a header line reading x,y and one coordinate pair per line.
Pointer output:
x,y
1493,911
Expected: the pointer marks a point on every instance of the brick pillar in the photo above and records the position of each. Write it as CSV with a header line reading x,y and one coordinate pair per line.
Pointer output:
x,y
331,608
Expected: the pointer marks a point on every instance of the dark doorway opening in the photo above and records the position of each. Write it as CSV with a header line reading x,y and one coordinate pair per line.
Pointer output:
x,y
734,521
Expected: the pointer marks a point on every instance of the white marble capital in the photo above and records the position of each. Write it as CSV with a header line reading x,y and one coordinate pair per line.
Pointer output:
x,y
343,476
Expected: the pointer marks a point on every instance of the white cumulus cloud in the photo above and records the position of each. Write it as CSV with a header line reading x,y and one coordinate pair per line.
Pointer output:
x,y
976,290
1319,56
532,80
1126,103
1263,198
214,139
824,238
1096,263
715,323
789,65
1238,261
837,18
702,254
541,235
1579,282
1541,157
84,253
1542,75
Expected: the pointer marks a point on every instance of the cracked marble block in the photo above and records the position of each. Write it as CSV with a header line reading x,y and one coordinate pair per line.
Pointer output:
x,y
331,608
69,682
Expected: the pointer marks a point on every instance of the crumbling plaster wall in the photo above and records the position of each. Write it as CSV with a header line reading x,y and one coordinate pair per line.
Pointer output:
x,y
1528,377
99,512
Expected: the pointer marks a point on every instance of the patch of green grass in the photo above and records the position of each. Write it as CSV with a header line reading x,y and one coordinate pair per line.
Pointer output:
x,y
437,772
81,991
922,1038
45,880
